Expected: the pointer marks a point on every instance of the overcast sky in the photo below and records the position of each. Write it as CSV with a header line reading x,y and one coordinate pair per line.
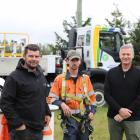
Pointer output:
x,y
41,18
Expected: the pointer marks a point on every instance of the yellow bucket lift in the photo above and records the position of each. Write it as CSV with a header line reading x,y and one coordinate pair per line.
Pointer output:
x,y
12,44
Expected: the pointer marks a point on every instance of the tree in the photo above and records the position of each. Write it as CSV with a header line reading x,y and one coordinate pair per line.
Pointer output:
x,y
135,36
68,25
62,43
51,48
135,40
118,19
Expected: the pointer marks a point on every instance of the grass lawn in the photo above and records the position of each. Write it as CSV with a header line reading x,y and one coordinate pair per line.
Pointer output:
x,y
100,126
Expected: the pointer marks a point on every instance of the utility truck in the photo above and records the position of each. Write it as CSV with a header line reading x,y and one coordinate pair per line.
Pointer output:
x,y
99,47
11,50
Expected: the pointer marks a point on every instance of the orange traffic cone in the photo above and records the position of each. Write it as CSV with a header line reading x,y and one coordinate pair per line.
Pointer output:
x,y
4,135
47,133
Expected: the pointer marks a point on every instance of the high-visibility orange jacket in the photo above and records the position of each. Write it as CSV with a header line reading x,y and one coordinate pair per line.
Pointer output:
x,y
74,88
4,135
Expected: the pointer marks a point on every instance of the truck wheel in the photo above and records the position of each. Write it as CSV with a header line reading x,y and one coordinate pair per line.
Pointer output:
x,y
99,90
0,90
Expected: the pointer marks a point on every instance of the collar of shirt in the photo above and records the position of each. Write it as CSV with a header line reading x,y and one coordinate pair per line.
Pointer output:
x,y
68,75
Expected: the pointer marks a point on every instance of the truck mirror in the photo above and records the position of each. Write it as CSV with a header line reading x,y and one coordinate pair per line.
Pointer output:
x,y
72,38
63,55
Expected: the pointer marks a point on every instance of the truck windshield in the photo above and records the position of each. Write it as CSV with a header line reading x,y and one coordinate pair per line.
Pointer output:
x,y
110,41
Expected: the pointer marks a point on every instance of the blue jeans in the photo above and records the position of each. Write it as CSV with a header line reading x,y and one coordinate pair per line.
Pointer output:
x,y
27,134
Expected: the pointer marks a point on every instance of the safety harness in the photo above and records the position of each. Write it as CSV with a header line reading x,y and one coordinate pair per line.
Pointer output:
x,y
83,101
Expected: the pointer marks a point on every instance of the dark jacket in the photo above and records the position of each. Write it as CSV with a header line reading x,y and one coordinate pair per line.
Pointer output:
x,y
122,89
23,98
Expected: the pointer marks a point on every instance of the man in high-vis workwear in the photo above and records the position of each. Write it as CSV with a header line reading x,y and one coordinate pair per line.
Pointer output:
x,y
72,91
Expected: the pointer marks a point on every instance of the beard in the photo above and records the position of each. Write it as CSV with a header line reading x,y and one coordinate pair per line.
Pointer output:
x,y
74,67
31,65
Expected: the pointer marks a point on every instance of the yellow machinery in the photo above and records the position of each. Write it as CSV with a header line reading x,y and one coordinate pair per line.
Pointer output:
x,y
12,44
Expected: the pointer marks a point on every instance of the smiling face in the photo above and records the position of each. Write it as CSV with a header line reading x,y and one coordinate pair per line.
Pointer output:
x,y
32,59
126,56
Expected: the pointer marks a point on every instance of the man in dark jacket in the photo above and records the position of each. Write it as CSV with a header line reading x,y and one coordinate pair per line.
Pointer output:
x,y
23,100
122,93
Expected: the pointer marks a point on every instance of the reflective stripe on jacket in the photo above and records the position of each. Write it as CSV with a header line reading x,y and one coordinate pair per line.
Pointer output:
x,y
75,89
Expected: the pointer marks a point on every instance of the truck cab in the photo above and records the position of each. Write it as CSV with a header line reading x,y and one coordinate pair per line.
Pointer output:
x,y
99,47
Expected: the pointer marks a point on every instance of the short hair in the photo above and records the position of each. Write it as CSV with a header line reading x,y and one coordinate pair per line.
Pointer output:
x,y
127,46
32,47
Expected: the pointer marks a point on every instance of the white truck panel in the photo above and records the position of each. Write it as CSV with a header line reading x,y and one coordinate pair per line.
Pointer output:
x,y
8,64
48,63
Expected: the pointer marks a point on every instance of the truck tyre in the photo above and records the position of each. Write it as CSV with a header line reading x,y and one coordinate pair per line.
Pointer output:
x,y
99,90
0,90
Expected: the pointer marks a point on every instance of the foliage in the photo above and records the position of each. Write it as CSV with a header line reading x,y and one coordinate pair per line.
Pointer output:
x,y
135,40
68,25
44,49
60,42
117,19
135,37
52,48
134,33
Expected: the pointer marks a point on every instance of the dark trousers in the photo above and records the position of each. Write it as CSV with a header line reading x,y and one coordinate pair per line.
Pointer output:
x,y
27,134
72,130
